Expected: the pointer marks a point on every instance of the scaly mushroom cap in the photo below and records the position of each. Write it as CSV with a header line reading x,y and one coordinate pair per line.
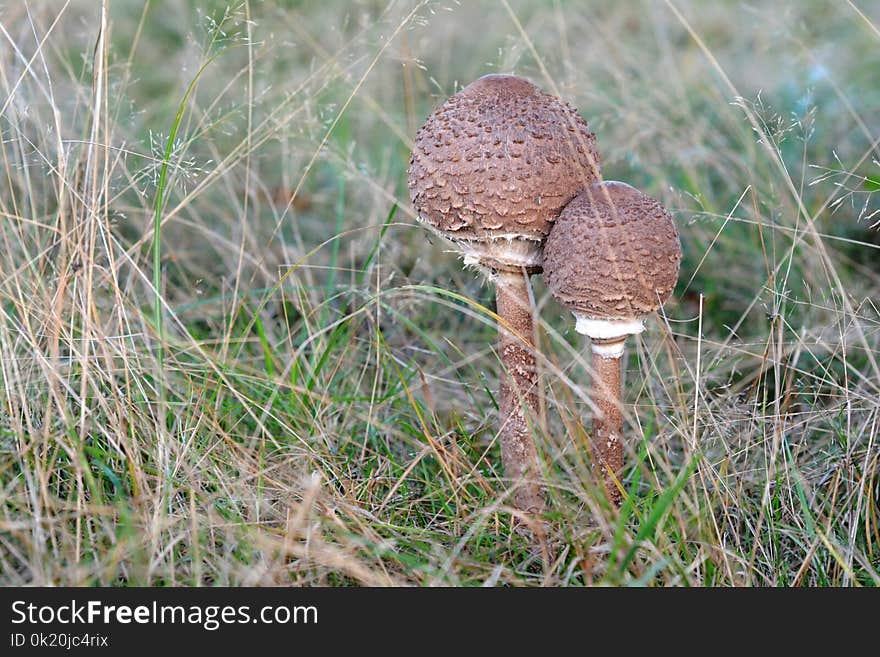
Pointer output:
x,y
493,166
613,255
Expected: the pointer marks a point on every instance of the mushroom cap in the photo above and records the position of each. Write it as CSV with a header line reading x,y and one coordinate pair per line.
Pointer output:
x,y
494,165
613,255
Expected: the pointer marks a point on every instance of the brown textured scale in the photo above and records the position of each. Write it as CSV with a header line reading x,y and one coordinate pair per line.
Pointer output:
x,y
613,254
494,165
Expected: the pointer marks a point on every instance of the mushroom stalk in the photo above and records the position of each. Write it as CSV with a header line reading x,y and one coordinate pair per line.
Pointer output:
x,y
608,416
519,390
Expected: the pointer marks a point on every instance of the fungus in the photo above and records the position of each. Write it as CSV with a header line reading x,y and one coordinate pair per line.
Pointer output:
x,y
490,170
612,259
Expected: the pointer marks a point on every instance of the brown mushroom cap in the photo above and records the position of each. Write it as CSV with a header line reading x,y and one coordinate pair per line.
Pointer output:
x,y
613,254
493,166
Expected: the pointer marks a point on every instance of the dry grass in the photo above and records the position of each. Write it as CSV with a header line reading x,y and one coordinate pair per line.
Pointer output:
x,y
312,399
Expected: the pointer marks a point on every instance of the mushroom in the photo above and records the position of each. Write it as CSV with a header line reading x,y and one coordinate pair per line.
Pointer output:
x,y
490,170
612,259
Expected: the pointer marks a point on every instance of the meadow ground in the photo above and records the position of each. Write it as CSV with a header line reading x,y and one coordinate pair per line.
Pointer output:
x,y
228,355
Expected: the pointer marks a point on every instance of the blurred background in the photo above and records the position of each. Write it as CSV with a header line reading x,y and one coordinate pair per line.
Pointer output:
x,y
304,390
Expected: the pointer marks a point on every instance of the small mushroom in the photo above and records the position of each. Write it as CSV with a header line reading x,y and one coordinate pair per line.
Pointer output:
x,y
490,170
612,259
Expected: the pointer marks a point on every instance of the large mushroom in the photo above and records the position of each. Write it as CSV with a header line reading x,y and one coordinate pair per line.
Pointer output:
x,y
490,170
612,259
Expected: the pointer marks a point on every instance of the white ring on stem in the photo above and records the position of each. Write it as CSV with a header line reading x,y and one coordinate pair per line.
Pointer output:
x,y
608,349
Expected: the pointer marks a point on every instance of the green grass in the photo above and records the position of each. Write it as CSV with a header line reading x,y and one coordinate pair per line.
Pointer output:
x,y
229,356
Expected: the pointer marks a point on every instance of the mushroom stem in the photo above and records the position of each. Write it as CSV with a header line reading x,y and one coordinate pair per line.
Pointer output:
x,y
608,418
519,385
